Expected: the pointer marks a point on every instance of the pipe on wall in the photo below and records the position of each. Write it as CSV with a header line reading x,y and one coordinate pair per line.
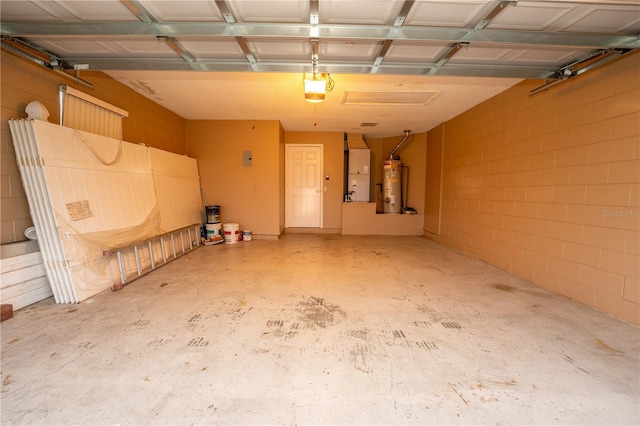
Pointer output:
x,y
395,150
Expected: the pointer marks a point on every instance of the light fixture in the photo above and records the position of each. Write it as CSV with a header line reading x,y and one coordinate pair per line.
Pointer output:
x,y
316,85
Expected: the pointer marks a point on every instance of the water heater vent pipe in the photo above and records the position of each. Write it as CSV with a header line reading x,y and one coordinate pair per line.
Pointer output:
x,y
395,150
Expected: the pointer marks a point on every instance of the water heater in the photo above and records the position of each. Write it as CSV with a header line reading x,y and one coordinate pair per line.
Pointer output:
x,y
392,186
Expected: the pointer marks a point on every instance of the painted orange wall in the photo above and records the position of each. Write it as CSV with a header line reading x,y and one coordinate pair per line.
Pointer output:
x,y
548,186
333,161
249,196
433,181
24,81
281,201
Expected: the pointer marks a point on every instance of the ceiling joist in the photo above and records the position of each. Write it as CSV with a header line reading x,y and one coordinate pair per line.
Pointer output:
x,y
502,38
324,31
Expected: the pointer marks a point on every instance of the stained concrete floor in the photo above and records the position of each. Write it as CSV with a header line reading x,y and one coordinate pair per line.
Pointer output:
x,y
321,329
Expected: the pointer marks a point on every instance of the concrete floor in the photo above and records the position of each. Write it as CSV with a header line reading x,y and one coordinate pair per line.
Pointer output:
x,y
321,329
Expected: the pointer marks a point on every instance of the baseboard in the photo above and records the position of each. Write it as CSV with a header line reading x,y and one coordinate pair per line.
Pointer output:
x,y
312,231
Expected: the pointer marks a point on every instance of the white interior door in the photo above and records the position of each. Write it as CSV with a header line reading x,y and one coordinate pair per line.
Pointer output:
x,y
303,179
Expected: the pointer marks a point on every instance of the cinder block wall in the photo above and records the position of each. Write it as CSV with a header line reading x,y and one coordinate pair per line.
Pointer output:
x,y
547,186
24,81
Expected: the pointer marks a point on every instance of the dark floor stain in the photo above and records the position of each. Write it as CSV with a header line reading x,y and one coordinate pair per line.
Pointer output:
x,y
503,287
317,313
71,310
164,284
293,330
359,334
398,334
451,325
607,347
319,301
195,318
239,312
359,355
426,309
198,341
140,323
427,345
572,361
158,342
275,323
509,289
506,383
13,341
7,380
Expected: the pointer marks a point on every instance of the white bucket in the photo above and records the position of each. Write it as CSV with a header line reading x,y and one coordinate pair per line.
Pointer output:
x,y
214,230
231,232
246,235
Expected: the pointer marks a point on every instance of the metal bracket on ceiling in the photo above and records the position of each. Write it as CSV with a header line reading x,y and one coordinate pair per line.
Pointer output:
x,y
452,51
402,15
574,69
244,46
138,9
384,48
494,12
177,47
314,13
381,54
229,18
314,44
226,12
486,20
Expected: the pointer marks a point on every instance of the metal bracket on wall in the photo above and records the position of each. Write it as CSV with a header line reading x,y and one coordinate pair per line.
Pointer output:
x,y
582,65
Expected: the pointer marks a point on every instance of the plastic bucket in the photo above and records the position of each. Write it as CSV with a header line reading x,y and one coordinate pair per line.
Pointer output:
x,y
214,230
213,214
246,235
231,232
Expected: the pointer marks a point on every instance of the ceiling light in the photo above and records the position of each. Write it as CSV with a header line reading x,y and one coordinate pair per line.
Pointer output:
x,y
316,85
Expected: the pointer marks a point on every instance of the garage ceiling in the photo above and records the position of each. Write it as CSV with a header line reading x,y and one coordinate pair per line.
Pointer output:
x,y
396,64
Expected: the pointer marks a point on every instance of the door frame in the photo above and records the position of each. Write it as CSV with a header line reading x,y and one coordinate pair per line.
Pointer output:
x,y
287,177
